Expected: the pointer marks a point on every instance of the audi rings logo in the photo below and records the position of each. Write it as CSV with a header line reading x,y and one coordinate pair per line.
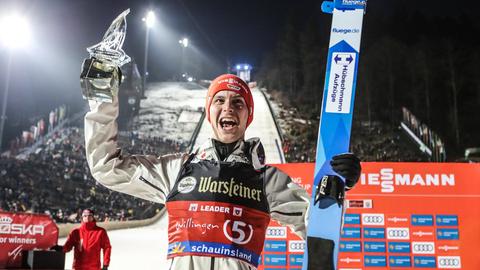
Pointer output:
x,y
276,232
5,219
423,247
449,262
296,246
187,184
373,219
398,233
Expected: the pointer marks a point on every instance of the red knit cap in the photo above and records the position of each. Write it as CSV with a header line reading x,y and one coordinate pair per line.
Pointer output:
x,y
230,82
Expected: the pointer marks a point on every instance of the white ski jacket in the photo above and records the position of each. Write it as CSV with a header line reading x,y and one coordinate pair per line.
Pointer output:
x,y
151,178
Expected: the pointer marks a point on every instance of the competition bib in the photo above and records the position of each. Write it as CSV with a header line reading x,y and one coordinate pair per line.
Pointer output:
x,y
218,209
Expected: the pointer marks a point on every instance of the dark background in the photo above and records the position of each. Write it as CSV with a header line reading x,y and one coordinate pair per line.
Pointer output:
x,y
280,37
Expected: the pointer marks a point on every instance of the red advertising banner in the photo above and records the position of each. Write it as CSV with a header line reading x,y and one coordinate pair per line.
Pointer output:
x,y
399,216
21,231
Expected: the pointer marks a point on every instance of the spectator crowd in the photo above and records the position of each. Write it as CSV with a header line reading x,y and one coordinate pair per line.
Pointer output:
x,y
55,179
371,141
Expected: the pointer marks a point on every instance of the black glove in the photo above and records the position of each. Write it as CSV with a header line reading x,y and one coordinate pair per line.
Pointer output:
x,y
105,268
348,166
57,248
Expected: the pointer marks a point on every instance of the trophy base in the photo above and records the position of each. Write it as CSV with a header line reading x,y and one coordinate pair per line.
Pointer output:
x,y
99,80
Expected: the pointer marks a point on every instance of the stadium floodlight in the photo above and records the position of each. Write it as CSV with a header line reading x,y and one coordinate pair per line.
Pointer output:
x,y
239,67
14,31
149,22
150,19
246,67
183,42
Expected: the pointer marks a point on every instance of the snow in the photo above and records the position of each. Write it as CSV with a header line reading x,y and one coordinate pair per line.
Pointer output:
x,y
189,117
170,109
138,248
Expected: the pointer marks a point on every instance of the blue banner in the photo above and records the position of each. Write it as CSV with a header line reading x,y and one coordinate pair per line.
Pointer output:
x,y
215,249
370,246
447,220
275,259
295,259
352,219
351,232
275,245
350,246
447,234
399,261
424,261
375,260
422,220
376,233
399,247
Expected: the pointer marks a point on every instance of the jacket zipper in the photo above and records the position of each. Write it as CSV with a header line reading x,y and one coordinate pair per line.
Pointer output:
x,y
141,178
288,214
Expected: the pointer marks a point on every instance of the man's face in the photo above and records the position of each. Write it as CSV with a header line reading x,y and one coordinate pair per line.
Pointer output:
x,y
228,116
87,216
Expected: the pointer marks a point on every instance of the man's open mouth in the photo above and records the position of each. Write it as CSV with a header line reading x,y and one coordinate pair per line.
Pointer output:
x,y
228,123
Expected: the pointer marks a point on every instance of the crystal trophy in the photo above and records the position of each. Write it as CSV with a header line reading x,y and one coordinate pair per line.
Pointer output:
x,y
101,75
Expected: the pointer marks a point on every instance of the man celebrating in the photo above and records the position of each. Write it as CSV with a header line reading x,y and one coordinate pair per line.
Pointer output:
x,y
221,197
88,240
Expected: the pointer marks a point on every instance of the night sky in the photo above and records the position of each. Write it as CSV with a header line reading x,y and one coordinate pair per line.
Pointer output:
x,y
221,32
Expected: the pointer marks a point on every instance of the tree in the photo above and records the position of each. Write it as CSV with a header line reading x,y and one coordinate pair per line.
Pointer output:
x,y
288,58
453,84
312,62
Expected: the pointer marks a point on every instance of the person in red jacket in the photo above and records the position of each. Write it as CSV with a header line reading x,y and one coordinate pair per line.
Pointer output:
x,y
88,240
